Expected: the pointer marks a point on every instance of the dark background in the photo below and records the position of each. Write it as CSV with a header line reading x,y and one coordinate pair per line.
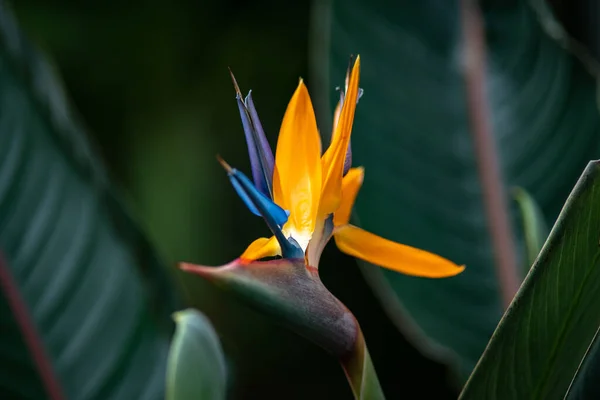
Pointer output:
x,y
150,80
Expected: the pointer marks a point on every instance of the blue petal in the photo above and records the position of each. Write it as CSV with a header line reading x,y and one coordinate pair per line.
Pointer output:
x,y
273,211
265,153
261,156
240,191
293,250
273,215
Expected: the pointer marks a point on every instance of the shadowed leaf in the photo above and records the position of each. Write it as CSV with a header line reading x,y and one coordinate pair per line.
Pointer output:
x,y
97,297
545,334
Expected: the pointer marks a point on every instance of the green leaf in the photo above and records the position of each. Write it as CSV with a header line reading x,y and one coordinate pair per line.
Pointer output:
x,y
85,303
545,334
586,386
412,135
535,230
196,367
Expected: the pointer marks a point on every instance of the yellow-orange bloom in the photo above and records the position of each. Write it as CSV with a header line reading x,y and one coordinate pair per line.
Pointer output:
x,y
319,190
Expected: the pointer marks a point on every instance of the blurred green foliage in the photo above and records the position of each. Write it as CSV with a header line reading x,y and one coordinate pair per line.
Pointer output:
x,y
196,368
414,136
89,300
150,80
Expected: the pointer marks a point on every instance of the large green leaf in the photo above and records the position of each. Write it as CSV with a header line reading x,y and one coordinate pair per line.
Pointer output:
x,y
413,137
586,385
85,302
545,334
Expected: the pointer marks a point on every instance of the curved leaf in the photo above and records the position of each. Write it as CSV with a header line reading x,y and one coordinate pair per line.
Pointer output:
x,y
545,334
586,384
413,137
535,230
79,277
196,367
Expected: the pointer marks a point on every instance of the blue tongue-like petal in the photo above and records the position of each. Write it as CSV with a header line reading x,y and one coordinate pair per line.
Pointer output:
x,y
276,213
260,204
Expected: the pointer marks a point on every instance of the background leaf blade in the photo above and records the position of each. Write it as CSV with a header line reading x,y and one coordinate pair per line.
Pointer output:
x,y
534,226
544,335
412,136
96,291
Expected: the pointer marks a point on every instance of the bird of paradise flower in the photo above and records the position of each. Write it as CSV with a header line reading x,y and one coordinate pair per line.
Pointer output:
x,y
306,197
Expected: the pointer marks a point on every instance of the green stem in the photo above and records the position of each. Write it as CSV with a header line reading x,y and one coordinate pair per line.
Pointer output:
x,y
361,373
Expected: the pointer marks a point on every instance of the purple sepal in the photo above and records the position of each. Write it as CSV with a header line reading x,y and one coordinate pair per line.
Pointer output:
x,y
260,153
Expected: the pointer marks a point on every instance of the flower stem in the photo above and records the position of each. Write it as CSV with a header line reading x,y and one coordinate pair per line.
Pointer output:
x,y
494,197
361,373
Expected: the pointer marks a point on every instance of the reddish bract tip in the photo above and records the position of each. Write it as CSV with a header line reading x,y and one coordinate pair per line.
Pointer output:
x,y
204,271
292,293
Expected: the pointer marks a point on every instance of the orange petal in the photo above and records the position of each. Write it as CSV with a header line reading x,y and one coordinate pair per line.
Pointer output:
x,y
297,177
336,117
261,248
351,184
334,157
395,256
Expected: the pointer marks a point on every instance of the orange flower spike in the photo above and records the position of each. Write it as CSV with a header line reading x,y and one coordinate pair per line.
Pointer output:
x,y
351,184
313,195
335,156
305,199
297,177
